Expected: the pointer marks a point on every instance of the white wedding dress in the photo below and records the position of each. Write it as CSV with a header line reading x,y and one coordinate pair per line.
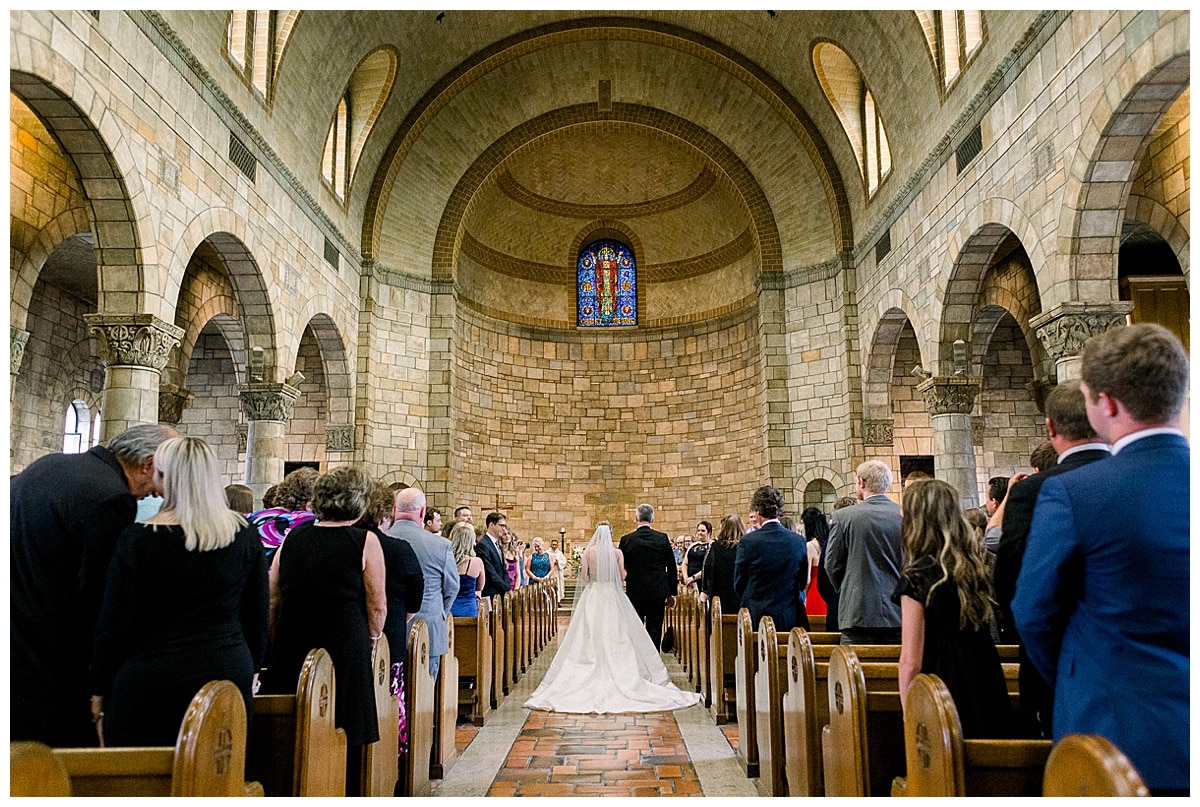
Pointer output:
x,y
606,662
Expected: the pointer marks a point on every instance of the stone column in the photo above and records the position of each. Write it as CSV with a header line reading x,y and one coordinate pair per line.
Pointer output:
x,y
1064,328
949,401
172,400
268,408
134,350
17,339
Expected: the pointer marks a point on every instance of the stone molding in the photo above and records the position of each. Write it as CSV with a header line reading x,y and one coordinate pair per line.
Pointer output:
x,y
878,432
17,339
339,437
950,395
134,340
172,400
265,401
1064,328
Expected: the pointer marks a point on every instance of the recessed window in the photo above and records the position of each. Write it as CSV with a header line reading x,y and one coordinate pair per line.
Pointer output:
x,y
953,38
76,428
355,116
606,275
852,100
255,41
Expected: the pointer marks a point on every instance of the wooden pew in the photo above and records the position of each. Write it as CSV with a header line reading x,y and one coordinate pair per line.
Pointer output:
x,y
799,715
684,636
499,641
702,666
512,665
1088,765
445,710
418,703
769,685
744,667
209,758
379,772
473,649
816,622
294,748
722,654
939,762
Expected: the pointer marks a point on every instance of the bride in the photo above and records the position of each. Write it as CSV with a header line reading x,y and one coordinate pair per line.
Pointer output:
x,y
606,662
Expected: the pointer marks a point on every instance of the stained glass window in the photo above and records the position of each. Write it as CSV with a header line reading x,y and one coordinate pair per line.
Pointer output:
x,y
606,285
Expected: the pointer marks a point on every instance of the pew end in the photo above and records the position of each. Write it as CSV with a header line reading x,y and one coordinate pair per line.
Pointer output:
x,y
34,770
1089,765
379,758
444,753
419,703
744,668
798,713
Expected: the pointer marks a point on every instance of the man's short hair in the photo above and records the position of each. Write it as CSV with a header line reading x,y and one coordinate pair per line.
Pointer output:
x,y
409,500
645,512
845,501
1044,456
1143,366
997,488
876,476
1066,409
137,444
431,514
914,476
495,517
458,510
767,502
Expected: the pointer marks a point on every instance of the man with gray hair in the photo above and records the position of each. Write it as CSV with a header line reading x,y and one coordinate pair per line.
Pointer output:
x,y
437,564
651,576
863,557
66,513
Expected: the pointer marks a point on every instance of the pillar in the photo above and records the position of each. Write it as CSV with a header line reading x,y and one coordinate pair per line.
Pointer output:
x,y
949,401
134,350
268,408
172,400
1064,328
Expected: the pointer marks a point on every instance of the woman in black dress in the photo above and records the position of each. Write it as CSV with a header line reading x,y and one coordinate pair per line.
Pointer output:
x,y
716,579
328,589
945,598
185,603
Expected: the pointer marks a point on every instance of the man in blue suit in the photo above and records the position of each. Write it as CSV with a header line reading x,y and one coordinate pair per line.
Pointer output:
x,y
1102,599
770,568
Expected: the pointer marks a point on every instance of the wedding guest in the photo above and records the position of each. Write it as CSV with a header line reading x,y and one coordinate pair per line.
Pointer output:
x,y
693,570
437,563
471,575
66,512
945,599
433,521
560,561
850,501
463,513
717,579
816,529
512,559
329,589
290,509
540,564
269,497
203,570
771,566
240,498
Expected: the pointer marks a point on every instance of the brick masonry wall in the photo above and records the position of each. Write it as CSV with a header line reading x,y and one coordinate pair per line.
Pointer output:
x,y
572,427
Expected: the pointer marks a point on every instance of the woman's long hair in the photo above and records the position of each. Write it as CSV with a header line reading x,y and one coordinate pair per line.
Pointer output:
x,y
934,530
192,490
462,541
731,530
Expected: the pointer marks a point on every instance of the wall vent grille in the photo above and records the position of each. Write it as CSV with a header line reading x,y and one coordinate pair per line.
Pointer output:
x,y
968,149
884,245
241,157
331,253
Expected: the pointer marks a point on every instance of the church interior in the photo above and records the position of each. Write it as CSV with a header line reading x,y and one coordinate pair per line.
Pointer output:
x,y
559,263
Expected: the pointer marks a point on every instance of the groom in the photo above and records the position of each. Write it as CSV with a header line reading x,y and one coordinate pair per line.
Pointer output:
x,y
650,574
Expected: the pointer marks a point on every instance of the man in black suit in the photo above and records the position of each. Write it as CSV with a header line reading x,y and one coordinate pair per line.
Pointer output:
x,y
771,566
1077,445
651,576
490,551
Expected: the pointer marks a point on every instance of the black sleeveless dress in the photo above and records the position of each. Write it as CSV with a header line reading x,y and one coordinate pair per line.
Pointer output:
x,y
324,605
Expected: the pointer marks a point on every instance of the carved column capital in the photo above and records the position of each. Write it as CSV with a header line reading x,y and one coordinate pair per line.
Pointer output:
x,y
950,395
134,340
172,400
878,432
1064,328
263,401
339,437
17,339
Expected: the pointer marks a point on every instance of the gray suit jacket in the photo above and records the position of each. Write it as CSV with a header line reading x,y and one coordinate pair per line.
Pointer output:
x,y
441,580
862,559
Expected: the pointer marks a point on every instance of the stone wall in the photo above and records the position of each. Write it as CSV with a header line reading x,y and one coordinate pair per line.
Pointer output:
x,y
571,427
306,430
215,412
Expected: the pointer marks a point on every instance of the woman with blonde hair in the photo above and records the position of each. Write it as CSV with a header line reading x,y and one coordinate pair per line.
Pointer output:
x,y
185,603
716,580
945,598
471,576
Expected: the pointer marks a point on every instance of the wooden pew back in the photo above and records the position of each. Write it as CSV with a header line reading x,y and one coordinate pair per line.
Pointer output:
x,y
798,711
702,665
722,662
419,699
473,648
843,740
512,664
35,771
499,641
209,757
445,710
769,685
379,758
744,667
1090,765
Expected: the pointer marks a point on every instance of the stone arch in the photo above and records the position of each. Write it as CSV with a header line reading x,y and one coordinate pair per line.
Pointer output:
x,y
881,359
815,474
1173,229
977,245
228,235
1101,174
116,216
762,219
396,480
520,44
997,296
67,224
606,228
223,309
339,380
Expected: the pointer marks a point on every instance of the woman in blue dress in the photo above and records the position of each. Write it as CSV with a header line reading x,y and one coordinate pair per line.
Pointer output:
x,y
471,577
540,563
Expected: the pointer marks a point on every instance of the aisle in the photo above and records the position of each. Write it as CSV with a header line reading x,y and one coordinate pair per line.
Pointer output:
x,y
524,753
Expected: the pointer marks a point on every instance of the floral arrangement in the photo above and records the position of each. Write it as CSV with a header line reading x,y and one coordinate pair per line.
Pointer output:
x,y
576,560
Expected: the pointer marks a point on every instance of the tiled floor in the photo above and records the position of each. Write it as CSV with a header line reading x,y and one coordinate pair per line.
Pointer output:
x,y
524,753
